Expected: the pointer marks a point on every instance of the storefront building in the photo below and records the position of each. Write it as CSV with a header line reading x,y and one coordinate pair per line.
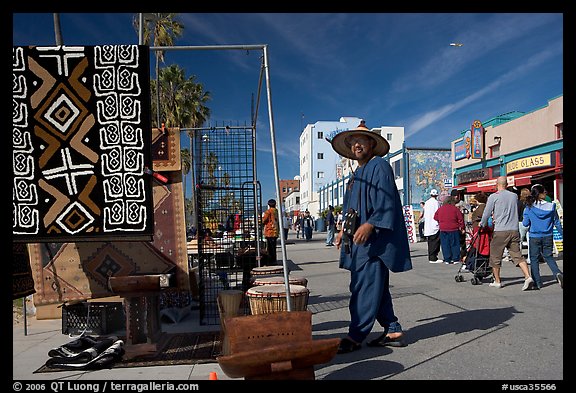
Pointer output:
x,y
526,147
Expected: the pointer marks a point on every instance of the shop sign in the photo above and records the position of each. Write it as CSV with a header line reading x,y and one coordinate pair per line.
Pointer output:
x,y
475,175
477,134
459,150
521,164
492,182
468,143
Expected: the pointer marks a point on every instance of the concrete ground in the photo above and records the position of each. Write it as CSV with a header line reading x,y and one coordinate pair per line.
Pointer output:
x,y
454,330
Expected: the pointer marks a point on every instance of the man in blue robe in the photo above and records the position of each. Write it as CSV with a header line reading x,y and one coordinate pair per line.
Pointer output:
x,y
378,245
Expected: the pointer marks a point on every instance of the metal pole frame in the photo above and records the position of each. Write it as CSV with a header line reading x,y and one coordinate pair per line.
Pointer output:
x,y
266,67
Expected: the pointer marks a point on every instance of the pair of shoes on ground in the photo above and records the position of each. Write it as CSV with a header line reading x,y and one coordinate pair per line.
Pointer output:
x,y
330,245
560,279
437,261
495,284
347,345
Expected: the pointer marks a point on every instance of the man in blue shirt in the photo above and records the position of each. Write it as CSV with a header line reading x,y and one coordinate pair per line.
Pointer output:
x,y
380,242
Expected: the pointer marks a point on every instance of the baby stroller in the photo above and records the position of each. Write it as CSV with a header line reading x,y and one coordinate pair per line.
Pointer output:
x,y
476,260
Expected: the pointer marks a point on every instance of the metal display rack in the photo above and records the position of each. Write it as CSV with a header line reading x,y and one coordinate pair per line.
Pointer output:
x,y
228,208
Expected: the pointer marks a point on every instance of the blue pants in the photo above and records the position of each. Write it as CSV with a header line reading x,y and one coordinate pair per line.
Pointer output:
x,y
308,233
370,300
545,246
450,242
330,235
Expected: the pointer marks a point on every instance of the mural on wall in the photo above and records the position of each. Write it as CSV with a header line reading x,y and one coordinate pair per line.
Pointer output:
x,y
428,169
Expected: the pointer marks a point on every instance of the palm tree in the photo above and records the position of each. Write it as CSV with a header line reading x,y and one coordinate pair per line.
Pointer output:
x,y
182,100
164,29
182,104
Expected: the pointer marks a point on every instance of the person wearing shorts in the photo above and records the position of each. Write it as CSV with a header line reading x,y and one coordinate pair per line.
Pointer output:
x,y
502,206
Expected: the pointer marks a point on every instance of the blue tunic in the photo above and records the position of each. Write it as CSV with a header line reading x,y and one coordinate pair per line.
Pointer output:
x,y
374,195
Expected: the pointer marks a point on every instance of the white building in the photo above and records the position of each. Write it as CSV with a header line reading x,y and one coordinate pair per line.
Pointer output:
x,y
319,164
322,168
333,192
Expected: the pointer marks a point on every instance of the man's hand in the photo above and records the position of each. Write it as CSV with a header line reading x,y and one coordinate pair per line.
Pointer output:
x,y
338,241
363,233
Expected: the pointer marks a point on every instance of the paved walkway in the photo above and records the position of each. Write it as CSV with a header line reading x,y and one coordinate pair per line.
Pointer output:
x,y
454,330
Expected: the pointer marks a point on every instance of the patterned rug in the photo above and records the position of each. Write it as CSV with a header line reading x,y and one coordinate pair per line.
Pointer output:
x,y
176,349
66,272
81,144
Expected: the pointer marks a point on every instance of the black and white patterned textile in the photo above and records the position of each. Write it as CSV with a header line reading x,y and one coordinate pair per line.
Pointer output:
x,y
81,141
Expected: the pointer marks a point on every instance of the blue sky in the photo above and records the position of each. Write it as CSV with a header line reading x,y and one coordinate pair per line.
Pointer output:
x,y
392,69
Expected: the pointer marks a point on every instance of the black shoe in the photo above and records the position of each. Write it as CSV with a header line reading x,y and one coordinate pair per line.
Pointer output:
x,y
347,345
385,341
560,279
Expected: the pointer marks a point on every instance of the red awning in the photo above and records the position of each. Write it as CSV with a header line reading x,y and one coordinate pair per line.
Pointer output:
x,y
525,178
521,179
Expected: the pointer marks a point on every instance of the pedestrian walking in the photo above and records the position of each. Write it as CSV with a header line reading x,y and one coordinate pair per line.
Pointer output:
x,y
306,224
541,217
330,226
431,227
375,240
451,223
271,231
502,206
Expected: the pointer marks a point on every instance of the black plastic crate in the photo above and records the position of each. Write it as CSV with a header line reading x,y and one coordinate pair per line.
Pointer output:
x,y
97,318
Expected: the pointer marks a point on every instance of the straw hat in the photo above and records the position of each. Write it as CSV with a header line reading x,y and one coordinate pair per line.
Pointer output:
x,y
342,145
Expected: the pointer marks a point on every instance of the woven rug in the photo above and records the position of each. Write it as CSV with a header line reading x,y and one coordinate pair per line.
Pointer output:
x,y
81,144
175,349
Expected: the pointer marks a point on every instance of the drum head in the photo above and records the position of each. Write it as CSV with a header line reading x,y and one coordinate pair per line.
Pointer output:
x,y
277,290
277,280
267,270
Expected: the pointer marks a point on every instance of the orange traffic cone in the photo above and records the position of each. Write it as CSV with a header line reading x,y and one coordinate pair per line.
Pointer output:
x,y
213,376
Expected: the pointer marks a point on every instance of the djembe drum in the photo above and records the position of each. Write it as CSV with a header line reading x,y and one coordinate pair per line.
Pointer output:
x,y
266,270
277,280
229,301
265,299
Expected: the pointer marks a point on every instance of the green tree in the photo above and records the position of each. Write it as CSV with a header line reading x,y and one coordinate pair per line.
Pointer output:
x,y
183,101
180,101
159,29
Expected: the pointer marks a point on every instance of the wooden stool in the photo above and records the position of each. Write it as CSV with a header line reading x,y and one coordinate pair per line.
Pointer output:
x,y
141,300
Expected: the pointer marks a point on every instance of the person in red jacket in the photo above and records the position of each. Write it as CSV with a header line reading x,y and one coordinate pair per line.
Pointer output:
x,y
451,223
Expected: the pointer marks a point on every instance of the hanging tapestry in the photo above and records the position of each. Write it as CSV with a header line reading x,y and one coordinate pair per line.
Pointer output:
x,y
166,149
22,281
79,271
81,141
